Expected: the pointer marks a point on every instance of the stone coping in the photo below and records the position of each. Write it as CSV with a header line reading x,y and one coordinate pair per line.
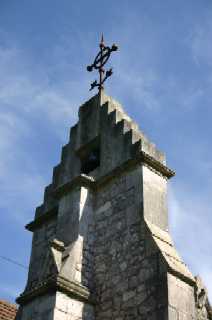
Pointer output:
x,y
88,181
39,221
174,262
156,165
81,180
143,158
56,283
58,245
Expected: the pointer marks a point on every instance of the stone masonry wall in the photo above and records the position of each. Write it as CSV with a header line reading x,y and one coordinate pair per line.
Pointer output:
x,y
75,229
155,198
40,245
67,308
127,275
57,307
41,308
181,299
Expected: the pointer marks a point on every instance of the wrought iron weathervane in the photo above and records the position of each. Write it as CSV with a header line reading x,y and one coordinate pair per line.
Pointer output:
x,y
99,62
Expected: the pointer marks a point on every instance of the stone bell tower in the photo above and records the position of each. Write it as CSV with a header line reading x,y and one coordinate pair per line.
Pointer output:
x,y
101,247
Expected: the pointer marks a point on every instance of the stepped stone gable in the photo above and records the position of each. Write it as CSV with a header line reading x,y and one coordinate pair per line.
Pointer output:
x,y
101,247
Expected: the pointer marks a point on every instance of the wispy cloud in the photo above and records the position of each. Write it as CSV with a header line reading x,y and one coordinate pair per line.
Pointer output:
x,y
201,42
28,103
25,90
190,224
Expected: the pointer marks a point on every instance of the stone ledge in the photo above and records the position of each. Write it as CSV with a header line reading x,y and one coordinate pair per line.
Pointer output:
x,y
38,222
53,284
181,276
88,181
142,157
58,245
157,165
173,261
81,180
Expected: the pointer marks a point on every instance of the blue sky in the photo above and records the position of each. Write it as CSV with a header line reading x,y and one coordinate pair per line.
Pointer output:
x,y
163,78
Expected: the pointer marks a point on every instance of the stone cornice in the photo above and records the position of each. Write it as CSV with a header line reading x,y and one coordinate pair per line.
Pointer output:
x,y
156,165
39,221
142,157
181,276
58,245
81,180
53,284
173,262
94,184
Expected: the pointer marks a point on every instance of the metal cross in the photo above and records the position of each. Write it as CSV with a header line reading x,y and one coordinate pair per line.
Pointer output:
x,y
99,62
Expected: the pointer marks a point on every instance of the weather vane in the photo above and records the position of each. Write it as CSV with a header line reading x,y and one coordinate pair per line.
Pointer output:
x,y
99,62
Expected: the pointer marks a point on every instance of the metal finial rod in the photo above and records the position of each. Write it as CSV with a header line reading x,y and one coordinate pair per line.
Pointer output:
x,y
99,62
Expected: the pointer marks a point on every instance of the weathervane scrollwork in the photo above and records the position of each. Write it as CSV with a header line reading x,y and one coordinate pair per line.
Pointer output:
x,y
99,62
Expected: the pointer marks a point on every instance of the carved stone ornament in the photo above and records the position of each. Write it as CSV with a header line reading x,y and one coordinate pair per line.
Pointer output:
x,y
53,260
204,311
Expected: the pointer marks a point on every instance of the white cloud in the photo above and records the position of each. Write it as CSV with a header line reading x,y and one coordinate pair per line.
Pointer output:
x,y
201,42
27,100
25,90
140,85
190,225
